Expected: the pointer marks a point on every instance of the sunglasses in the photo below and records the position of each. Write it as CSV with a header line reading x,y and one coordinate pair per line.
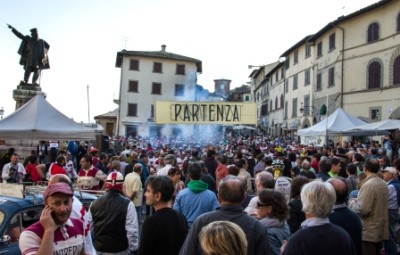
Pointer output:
x,y
261,205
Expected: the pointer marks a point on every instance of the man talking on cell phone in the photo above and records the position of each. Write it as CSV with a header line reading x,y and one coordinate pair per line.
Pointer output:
x,y
56,232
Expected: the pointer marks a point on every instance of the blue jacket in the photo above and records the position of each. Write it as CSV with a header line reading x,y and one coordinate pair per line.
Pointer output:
x,y
192,204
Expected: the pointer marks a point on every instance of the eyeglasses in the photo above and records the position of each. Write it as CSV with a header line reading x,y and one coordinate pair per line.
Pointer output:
x,y
261,205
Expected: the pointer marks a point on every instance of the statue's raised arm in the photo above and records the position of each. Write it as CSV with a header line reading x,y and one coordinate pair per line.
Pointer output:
x,y
33,53
16,32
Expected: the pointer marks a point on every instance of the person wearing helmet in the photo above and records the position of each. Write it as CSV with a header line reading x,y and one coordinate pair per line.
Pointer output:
x,y
114,220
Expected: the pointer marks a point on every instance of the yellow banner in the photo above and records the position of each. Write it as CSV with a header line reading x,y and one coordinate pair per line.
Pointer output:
x,y
205,113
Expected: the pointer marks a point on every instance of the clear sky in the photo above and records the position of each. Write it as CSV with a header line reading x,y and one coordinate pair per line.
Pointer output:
x,y
85,36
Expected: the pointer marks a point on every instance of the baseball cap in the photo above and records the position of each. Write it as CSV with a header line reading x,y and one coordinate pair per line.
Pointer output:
x,y
390,169
60,187
93,149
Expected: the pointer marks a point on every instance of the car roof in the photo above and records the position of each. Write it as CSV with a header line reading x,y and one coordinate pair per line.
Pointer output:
x,y
14,204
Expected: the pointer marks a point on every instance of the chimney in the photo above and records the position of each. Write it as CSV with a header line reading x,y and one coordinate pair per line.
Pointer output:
x,y
163,47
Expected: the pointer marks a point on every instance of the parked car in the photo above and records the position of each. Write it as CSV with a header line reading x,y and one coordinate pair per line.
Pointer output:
x,y
16,214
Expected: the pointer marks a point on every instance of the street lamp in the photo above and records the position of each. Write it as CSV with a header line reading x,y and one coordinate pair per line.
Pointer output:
x,y
1,112
303,107
253,66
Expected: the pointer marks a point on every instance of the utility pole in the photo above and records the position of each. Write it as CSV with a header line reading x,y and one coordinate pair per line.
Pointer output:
x,y
88,104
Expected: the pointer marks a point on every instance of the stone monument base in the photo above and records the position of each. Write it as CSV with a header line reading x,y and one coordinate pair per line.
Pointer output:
x,y
26,92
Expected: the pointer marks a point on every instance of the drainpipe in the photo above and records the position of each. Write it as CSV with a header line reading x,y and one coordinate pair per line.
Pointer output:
x,y
119,99
342,79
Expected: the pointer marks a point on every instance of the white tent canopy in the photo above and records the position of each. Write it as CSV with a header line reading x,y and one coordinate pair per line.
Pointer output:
x,y
335,124
376,128
240,127
39,120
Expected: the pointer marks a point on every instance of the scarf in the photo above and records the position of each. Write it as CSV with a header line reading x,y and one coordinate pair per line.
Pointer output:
x,y
271,222
314,221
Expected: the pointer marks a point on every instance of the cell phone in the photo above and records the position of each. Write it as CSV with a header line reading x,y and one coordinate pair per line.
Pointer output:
x,y
53,214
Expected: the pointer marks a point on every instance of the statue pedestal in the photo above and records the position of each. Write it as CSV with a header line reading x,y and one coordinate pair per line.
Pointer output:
x,y
26,92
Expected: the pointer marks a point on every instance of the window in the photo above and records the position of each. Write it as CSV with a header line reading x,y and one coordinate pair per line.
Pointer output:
x,y
294,107
156,88
319,49
282,73
319,82
131,131
152,111
331,77
295,82
246,98
132,110
157,67
308,50
270,105
373,32
286,86
375,114
19,222
179,90
374,75
398,23
287,63
264,109
282,101
133,86
276,103
286,110
332,41
134,65
307,107
155,131
180,69
296,57
307,77
277,75
396,71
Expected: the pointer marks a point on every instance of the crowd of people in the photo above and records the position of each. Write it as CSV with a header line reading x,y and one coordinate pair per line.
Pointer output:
x,y
223,195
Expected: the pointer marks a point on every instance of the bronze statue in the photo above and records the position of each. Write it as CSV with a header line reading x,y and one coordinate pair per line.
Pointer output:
x,y
33,53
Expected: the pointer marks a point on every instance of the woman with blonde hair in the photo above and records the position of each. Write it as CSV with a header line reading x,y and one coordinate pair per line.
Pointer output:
x,y
223,238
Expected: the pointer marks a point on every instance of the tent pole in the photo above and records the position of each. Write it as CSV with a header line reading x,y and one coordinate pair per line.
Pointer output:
x,y
326,127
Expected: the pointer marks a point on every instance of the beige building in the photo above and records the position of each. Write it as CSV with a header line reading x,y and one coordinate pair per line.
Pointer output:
x,y
275,106
352,63
299,73
108,121
149,76
259,89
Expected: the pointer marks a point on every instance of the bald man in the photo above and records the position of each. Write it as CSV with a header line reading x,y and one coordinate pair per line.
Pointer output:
x,y
231,194
78,211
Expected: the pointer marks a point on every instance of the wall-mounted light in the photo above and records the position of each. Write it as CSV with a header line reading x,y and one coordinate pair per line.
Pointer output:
x,y
254,66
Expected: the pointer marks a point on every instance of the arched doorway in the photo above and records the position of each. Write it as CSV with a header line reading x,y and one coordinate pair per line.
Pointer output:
x,y
306,123
395,114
